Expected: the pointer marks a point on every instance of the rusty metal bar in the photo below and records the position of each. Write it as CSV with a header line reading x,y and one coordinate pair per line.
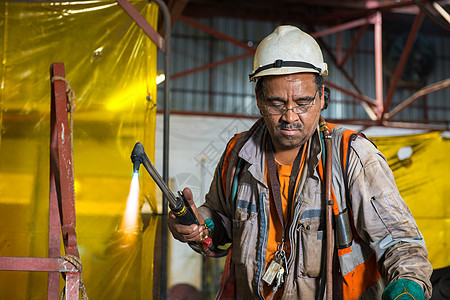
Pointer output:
x,y
61,199
420,93
62,203
378,38
343,71
63,163
251,50
360,97
365,100
217,33
339,48
411,124
54,226
211,65
72,285
142,23
342,27
36,264
404,58
355,42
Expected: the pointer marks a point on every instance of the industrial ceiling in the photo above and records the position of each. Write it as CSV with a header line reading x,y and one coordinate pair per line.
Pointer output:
x,y
322,17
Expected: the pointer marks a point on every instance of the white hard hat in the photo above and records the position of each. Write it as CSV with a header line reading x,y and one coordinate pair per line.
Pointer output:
x,y
288,50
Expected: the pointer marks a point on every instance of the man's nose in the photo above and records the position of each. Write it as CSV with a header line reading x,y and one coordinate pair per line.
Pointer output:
x,y
289,115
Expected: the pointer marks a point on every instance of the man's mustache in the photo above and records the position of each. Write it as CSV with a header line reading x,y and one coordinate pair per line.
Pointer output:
x,y
290,126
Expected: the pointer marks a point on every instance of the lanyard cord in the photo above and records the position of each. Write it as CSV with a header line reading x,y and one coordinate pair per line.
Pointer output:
x,y
275,185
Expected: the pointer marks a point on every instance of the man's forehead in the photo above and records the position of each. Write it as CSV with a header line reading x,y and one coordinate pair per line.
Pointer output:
x,y
303,78
293,84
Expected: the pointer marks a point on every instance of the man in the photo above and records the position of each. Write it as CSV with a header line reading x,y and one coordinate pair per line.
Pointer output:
x,y
267,197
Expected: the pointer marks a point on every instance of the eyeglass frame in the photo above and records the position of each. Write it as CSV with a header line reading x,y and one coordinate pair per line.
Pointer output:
x,y
307,107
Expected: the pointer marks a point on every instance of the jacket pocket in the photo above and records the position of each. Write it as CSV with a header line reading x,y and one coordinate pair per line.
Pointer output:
x,y
311,244
396,216
244,239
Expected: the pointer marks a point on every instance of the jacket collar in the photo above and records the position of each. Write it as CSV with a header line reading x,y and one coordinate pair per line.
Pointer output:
x,y
253,150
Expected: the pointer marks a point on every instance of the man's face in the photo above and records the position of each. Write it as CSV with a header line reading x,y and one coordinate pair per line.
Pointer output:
x,y
291,130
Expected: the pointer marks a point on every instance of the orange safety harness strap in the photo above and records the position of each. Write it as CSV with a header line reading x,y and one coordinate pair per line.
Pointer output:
x,y
365,274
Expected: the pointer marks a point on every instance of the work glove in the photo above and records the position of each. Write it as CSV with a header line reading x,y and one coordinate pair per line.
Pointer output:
x,y
403,289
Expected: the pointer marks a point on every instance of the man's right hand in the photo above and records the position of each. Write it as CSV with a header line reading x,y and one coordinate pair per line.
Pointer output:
x,y
183,233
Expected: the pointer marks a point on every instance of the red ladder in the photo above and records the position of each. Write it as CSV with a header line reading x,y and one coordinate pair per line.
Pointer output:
x,y
61,201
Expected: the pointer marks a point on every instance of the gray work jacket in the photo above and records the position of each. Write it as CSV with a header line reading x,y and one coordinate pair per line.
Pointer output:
x,y
382,219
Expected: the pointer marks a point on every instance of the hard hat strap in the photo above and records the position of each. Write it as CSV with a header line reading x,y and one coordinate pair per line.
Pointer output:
x,y
279,63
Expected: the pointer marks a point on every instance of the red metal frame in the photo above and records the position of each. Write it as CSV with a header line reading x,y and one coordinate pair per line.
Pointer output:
x,y
250,50
377,109
142,23
355,42
378,34
62,219
404,58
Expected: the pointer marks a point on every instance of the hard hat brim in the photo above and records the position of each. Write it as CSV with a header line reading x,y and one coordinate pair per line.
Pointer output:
x,y
287,71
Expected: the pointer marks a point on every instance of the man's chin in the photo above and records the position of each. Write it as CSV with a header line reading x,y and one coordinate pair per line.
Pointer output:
x,y
290,143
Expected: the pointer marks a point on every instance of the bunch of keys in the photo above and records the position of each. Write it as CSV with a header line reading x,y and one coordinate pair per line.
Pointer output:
x,y
275,273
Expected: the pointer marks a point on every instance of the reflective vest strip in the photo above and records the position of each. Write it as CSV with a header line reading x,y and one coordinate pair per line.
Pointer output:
x,y
361,278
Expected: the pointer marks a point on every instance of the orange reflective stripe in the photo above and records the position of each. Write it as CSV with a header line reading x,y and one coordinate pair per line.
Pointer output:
x,y
331,126
361,278
365,274
344,251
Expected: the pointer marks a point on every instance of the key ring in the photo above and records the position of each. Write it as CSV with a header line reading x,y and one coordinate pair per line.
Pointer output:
x,y
281,254
280,250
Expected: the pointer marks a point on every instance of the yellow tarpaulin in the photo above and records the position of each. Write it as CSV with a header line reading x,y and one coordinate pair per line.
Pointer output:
x,y
111,65
423,183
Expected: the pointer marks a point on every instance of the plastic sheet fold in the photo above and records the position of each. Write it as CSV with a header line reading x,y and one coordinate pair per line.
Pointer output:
x,y
111,66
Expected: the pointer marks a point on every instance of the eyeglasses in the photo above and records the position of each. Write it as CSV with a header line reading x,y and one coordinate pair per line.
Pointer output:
x,y
276,108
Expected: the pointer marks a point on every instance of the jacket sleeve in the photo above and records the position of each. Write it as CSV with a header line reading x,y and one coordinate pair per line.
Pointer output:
x,y
217,206
383,220
217,209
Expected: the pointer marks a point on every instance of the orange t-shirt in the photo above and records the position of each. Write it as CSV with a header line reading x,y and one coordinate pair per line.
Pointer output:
x,y
275,228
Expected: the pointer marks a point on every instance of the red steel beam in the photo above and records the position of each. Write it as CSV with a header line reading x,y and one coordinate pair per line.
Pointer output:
x,y
72,285
36,264
404,58
378,37
355,42
54,219
143,24
61,200
54,229
420,93
360,97
338,48
342,27
211,65
343,71
251,50
405,124
216,33
63,164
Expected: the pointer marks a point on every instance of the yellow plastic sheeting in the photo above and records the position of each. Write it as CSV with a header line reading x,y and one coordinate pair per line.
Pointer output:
x,y
111,65
423,183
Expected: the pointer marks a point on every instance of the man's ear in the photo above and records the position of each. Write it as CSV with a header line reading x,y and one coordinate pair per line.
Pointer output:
x,y
258,101
322,98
